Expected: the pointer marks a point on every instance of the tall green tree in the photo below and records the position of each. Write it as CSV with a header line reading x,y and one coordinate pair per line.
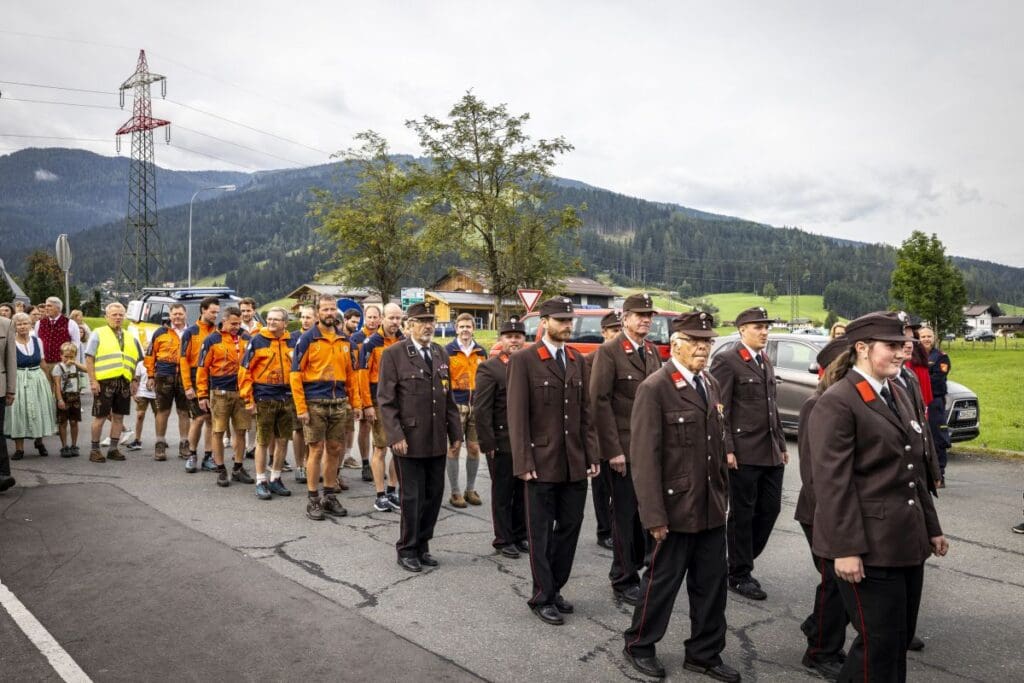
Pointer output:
x,y
487,189
43,277
378,236
926,282
769,292
5,290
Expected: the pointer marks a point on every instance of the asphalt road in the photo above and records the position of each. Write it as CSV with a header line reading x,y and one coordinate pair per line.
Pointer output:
x,y
143,572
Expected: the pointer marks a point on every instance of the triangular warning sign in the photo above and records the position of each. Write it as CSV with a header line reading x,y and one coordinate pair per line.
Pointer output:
x,y
529,297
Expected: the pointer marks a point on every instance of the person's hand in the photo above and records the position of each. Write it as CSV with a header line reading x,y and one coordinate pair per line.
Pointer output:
x,y
456,445
61,404
9,399
357,413
594,470
785,458
527,476
251,409
204,405
850,569
730,460
940,546
618,464
95,386
190,394
303,418
659,533
369,414
150,383
400,448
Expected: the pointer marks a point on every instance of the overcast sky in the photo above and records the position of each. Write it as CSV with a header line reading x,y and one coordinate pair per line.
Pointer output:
x,y
864,121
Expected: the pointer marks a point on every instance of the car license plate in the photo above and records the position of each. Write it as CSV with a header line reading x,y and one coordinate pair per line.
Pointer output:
x,y
968,414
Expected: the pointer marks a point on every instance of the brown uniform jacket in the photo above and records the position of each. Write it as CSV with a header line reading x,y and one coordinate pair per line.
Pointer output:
x,y
8,358
755,430
490,405
805,502
679,468
416,403
549,420
616,374
921,415
866,477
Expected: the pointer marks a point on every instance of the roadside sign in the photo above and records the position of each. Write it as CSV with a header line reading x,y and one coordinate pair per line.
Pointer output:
x,y
63,253
529,297
412,295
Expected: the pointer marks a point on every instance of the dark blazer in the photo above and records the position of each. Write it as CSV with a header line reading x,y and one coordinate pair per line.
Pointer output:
x,y
678,466
755,430
549,420
616,374
805,501
866,477
416,403
490,405
8,357
921,415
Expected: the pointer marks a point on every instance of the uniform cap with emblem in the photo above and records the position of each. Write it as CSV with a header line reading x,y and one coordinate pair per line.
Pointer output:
x,y
512,326
696,324
422,311
558,307
831,351
758,314
639,303
613,319
879,326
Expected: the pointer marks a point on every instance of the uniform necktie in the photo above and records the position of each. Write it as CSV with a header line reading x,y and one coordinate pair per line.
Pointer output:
x,y
698,384
560,357
426,358
887,395
760,361
640,352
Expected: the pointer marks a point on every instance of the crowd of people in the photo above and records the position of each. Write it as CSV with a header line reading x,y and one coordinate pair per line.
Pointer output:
x,y
685,458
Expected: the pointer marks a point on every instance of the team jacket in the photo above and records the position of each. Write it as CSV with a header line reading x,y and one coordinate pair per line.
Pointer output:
x,y
616,373
463,370
322,370
369,364
191,343
751,410
163,355
219,360
265,374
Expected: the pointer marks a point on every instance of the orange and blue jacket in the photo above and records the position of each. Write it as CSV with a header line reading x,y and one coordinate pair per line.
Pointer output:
x,y
462,369
163,355
265,374
322,369
369,364
219,361
191,343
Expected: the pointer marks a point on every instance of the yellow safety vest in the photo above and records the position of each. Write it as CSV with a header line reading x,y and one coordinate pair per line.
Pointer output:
x,y
111,359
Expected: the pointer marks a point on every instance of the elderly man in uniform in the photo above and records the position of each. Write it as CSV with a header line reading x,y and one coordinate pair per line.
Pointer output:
x,y
420,420
490,409
9,381
620,365
600,488
680,473
756,448
554,450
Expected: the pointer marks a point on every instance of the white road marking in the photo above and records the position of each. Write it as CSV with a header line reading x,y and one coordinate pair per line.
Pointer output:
x,y
59,659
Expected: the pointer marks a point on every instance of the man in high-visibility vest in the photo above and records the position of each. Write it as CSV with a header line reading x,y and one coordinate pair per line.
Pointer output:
x,y
110,359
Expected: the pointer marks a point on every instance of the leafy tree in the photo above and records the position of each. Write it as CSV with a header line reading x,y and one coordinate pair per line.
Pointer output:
x,y
5,290
486,188
926,282
43,277
378,236
769,292
93,307
831,319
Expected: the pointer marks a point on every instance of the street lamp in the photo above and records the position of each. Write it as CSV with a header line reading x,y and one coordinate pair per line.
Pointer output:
x,y
225,188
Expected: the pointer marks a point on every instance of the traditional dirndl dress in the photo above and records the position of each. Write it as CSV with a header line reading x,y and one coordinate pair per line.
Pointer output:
x,y
33,414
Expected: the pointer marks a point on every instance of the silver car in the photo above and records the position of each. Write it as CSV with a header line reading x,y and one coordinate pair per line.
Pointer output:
x,y
796,374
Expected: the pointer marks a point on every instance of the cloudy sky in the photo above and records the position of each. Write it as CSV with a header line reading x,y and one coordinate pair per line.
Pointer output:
x,y
864,121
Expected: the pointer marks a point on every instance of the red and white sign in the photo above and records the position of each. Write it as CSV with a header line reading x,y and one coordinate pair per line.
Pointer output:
x,y
529,297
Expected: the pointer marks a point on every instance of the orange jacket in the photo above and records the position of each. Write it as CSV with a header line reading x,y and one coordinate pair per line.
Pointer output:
x,y
265,373
463,370
163,355
191,343
322,369
219,360
369,364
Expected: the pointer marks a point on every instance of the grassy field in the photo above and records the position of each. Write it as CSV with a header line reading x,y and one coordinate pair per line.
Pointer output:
x,y
997,376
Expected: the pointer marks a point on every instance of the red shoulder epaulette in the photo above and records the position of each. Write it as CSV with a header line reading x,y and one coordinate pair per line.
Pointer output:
x,y
744,354
542,351
865,391
627,346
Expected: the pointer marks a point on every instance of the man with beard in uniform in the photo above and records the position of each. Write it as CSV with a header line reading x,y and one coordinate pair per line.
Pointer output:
x,y
756,447
620,365
680,473
600,489
554,450
490,409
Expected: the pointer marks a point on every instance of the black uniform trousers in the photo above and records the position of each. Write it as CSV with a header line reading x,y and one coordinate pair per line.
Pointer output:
x,y
939,429
883,609
5,460
628,533
825,626
602,505
554,516
421,488
755,499
507,513
700,559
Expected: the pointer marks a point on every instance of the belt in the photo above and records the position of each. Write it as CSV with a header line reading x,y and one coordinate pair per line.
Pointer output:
x,y
328,401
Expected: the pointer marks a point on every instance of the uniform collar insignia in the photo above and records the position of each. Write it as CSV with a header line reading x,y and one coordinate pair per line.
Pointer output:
x,y
744,354
542,351
867,394
627,346
678,379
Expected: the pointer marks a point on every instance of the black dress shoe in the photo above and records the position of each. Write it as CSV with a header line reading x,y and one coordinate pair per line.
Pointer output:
x,y
606,543
720,672
563,605
629,595
427,560
548,614
916,644
509,551
827,669
747,589
524,547
410,564
6,482
648,666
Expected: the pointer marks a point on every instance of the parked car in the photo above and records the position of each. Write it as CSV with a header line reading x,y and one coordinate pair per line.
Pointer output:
x,y
949,336
144,314
982,336
796,375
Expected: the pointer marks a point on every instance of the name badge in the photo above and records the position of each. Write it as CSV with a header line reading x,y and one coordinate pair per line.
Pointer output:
x,y
915,426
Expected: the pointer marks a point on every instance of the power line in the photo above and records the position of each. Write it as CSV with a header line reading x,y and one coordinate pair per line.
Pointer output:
x,y
241,146
252,128
212,156
63,104
53,137
57,87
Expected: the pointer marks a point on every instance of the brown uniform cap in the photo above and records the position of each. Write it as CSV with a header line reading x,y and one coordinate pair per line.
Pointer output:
x,y
558,307
613,319
639,303
422,311
831,351
696,324
880,326
758,314
511,326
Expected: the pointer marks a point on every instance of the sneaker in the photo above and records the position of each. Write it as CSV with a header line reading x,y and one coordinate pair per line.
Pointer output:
x,y
457,500
241,476
300,475
263,491
382,504
183,450
208,464
135,445
74,451
94,456
105,442
250,454
351,463
472,497
65,452
367,472
222,478
333,506
190,464
1019,529
286,467
314,510
394,500
277,487
114,454
126,437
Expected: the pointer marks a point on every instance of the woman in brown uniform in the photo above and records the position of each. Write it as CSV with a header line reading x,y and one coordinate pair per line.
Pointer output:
x,y
872,519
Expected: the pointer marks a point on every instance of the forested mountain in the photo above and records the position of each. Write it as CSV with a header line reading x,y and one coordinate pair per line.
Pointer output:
x,y
262,238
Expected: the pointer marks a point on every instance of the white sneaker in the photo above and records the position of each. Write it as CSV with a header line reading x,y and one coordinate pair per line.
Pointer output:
x,y
126,437
105,443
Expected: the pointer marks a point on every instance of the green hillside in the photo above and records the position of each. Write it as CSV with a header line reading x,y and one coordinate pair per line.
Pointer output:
x,y
730,305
